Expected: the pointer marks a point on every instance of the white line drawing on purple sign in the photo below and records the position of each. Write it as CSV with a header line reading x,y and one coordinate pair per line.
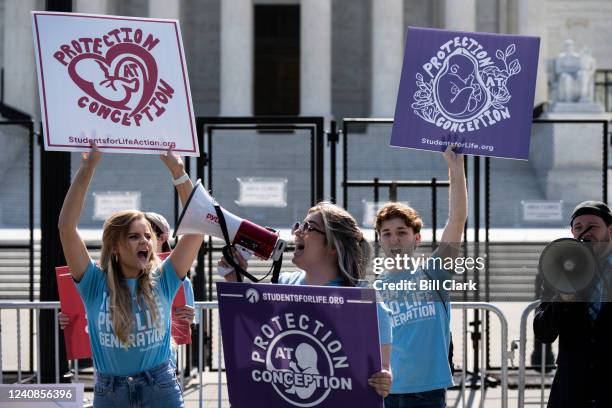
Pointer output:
x,y
323,391
465,90
302,368
306,358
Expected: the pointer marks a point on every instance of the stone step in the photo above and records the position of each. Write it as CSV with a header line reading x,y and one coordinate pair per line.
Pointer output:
x,y
18,256
20,278
25,262
523,271
17,287
16,295
509,297
20,267
509,280
513,268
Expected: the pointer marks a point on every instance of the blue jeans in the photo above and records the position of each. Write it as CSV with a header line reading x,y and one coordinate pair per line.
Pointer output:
x,y
156,387
427,399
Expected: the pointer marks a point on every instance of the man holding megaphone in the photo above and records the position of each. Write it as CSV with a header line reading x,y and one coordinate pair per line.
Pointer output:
x,y
578,275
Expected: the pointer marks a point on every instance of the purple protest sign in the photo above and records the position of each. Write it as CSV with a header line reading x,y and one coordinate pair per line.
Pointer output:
x,y
475,89
299,346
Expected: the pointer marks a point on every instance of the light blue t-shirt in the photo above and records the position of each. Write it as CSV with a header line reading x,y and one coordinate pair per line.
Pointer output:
x,y
384,320
421,332
149,343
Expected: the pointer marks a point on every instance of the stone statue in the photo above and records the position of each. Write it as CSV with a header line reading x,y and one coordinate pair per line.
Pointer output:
x,y
571,80
586,76
564,74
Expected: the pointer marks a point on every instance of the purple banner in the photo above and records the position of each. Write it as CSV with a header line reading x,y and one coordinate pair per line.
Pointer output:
x,y
299,346
473,89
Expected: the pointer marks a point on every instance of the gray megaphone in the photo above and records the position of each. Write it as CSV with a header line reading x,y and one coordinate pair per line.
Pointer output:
x,y
568,266
199,216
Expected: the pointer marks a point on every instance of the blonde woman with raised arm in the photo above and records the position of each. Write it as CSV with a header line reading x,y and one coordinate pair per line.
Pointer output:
x,y
128,296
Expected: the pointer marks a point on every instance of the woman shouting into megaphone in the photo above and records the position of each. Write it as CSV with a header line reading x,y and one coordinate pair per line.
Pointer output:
x,y
330,250
128,296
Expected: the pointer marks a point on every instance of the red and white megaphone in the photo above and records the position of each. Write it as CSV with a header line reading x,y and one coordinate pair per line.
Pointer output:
x,y
199,216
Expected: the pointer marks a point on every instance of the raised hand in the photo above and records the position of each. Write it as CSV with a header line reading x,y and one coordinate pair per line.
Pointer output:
x,y
173,162
453,159
91,158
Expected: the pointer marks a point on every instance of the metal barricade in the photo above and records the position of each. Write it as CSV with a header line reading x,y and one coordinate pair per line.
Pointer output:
x,y
464,306
523,356
202,307
37,306
483,306
55,306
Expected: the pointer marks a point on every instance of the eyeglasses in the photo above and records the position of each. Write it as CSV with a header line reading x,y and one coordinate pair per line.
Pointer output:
x,y
305,227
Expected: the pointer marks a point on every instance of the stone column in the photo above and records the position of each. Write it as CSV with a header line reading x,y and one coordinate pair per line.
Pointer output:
x,y
388,36
237,57
91,6
531,20
164,9
460,15
20,84
315,57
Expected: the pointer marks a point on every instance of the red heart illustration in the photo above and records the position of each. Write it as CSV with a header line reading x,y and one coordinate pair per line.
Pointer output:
x,y
125,57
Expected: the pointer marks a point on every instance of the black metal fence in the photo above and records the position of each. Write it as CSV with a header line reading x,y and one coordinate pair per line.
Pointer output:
x,y
214,132
603,88
28,125
227,146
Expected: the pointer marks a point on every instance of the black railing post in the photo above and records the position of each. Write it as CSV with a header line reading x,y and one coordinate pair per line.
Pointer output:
x,y
332,140
434,210
55,181
393,191
487,221
31,137
376,192
54,184
605,162
344,164
477,319
320,161
376,199
476,199
177,203
465,227
199,280
606,85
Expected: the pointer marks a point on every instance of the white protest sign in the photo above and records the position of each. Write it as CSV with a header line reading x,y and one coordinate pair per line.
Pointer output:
x,y
108,203
119,81
542,210
262,192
